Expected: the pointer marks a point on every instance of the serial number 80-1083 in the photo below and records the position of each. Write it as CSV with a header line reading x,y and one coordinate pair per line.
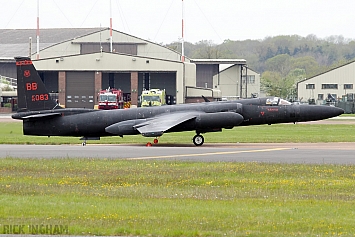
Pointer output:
x,y
40,97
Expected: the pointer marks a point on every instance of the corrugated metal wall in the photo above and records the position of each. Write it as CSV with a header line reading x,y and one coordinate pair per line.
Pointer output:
x,y
80,89
205,73
340,76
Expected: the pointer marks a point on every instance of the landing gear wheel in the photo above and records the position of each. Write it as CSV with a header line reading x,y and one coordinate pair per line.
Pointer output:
x,y
84,143
155,141
198,140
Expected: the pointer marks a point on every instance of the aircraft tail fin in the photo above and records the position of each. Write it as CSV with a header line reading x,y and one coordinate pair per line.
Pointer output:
x,y
31,91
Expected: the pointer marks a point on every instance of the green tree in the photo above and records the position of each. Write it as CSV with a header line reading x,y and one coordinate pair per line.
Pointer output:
x,y
207,49
307,63
279,54
270,81
274,84
280,63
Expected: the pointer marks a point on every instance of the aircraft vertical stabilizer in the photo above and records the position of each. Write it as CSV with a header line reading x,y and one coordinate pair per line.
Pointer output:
x,y
31,91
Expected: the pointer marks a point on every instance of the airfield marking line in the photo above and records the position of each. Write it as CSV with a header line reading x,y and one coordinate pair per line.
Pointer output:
x,y
206,154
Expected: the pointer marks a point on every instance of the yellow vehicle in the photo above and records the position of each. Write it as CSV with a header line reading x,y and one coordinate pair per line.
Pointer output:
x,y
153,97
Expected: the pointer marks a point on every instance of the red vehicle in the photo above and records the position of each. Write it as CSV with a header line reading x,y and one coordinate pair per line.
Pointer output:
x,y
111,99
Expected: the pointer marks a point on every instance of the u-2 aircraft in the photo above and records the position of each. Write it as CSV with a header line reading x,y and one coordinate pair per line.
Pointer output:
x,y
44,117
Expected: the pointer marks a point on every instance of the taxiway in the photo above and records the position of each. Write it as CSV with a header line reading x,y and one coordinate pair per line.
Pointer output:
x,y
311,153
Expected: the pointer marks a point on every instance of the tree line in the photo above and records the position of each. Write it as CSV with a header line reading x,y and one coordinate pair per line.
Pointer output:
x,y
282,61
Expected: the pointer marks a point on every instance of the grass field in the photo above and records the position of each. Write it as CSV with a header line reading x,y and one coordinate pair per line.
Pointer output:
x,y
347,115
168,198
11,133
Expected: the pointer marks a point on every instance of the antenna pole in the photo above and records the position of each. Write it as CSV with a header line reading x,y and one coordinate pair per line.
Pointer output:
x,y
110,27
30,48
182,34
100,40
37,32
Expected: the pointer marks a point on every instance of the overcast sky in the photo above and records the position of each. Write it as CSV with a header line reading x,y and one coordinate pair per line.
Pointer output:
x,y
160,20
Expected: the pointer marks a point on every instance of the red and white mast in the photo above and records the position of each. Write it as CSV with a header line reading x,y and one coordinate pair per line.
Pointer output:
x,y
182,34
110,27
37,32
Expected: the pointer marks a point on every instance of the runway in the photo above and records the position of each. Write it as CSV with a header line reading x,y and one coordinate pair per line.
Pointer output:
x,y
308,153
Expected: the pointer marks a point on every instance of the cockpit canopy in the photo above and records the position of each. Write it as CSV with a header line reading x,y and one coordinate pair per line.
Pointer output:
x,y
274,101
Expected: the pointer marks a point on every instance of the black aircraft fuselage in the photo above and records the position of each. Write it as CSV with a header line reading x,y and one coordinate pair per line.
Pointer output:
x,y
92,123
42,117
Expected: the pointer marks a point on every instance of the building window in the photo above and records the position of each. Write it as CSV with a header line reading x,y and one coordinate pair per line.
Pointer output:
x,y
251,79
330,86
348,86
310,86
320,96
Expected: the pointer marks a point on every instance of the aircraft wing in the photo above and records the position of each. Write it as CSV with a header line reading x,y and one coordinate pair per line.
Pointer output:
x,y
158,125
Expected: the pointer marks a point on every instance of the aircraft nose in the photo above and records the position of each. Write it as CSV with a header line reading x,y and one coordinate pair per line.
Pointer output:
x,y
319,112
331,111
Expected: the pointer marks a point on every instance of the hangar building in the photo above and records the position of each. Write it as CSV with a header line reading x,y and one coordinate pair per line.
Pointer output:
x,y
75,64
337,82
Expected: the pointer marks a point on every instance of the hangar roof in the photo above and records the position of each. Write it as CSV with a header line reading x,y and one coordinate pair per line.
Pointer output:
x,y
15,42
219,61
224,67
332,69
53,35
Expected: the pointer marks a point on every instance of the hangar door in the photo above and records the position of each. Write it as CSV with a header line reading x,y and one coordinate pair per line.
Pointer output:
x,y
117,80
158,80
50,80
80,90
